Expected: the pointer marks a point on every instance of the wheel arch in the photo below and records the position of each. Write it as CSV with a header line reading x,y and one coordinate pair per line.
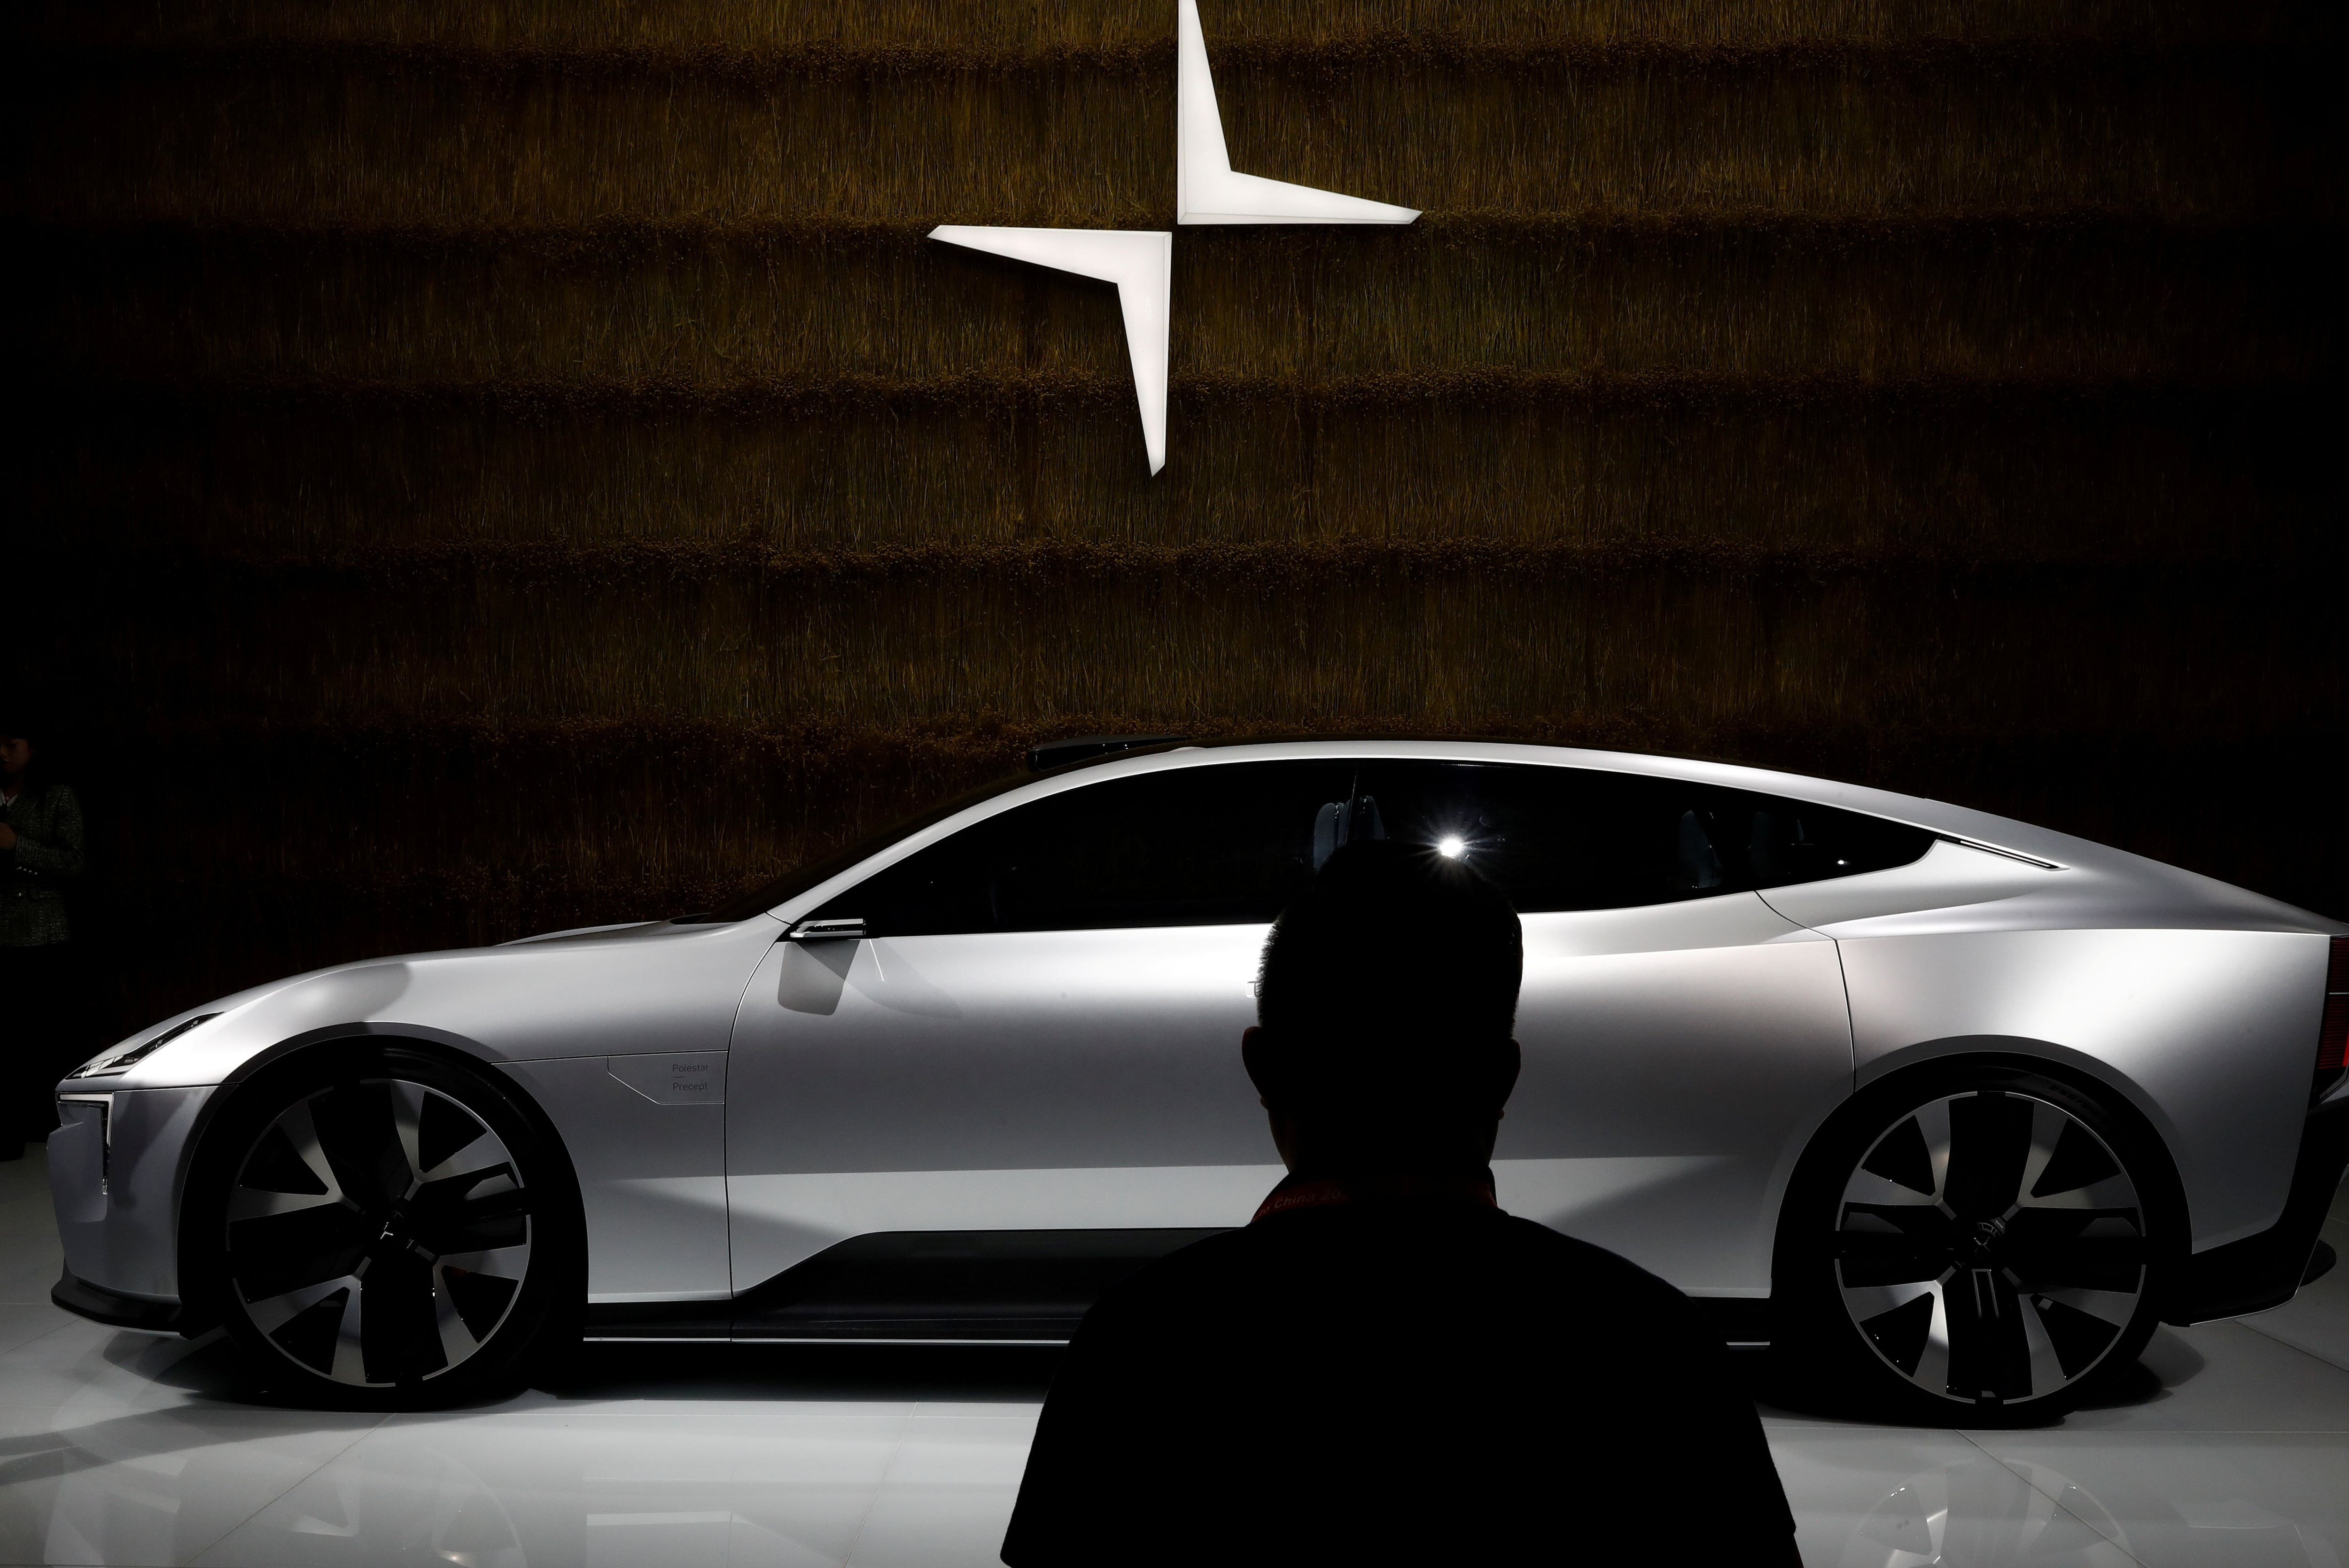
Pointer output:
x,y
1889,1080
264,1065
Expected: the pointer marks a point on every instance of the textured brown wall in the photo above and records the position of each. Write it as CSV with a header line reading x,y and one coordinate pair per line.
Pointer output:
x,y
496,466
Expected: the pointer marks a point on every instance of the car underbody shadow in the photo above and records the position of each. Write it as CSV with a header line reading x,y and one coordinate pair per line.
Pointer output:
x,y
769,1372
213,1370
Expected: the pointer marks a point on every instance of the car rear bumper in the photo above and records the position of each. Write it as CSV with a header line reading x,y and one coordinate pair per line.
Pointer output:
x,y
2265,1270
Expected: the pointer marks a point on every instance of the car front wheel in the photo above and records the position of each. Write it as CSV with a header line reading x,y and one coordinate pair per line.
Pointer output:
x,y
394,1231
1986,1247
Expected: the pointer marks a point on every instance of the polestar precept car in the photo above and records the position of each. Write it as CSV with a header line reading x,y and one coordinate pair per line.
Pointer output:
x,y
1960,1105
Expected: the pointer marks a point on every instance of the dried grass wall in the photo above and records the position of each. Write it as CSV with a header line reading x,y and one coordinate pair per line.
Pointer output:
x,y
488,467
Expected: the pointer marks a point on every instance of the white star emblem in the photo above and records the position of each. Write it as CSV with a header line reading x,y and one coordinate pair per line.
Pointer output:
x,y
1141,261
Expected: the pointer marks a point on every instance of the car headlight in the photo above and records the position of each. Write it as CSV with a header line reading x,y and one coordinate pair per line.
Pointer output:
x,y
114,1062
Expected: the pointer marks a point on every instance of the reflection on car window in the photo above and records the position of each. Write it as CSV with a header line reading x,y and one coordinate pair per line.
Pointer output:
x,y
1786,842
1558,838
1231,843
1191,846
1566,839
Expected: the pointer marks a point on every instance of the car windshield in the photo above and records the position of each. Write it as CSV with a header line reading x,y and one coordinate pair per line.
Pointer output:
x,y
812,873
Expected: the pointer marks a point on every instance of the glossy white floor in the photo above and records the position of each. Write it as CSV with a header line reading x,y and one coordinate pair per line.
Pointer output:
x,y
2231,1450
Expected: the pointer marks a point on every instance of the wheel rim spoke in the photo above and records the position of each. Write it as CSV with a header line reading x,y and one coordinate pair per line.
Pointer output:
x,y
286,1173
1933,1123
301,1133
349,1365
1907,1322
457,1341
246,1203
2029,1244
378,1232
2106,1305
273,1312
2047,1127
2045,1372
1933,1366
407,1102
502,1263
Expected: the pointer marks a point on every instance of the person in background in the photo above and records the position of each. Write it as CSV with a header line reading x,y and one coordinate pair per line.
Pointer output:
x,y
40,852
1383,1366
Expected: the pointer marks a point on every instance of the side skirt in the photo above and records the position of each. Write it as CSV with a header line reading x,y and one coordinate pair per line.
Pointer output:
x,y
913,1288
961,1287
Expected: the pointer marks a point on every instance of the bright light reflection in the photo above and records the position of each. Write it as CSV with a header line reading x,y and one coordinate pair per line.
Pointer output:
x,y
1451,849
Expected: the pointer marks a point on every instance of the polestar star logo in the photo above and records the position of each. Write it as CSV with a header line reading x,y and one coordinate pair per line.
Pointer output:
x,y
1141,262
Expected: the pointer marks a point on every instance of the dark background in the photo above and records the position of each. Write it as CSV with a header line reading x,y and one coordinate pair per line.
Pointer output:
x,y
484,468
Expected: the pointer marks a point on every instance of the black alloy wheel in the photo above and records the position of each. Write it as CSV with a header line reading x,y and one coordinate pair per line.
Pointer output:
x,y
1986,1247
395,1233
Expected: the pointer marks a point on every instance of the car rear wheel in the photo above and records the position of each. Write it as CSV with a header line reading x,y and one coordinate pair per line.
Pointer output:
x,y
1987,1246
394,1231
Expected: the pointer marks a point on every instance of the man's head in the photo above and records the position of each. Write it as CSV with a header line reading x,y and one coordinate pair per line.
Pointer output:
x,y
1384,1005
16,751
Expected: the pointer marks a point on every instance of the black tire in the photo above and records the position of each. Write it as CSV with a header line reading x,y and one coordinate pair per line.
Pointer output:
x,y
381,1227
1974,1247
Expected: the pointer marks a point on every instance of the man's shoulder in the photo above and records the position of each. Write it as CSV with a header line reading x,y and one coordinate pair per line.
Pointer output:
x,y
1207,1263
1538,1242
1306,1243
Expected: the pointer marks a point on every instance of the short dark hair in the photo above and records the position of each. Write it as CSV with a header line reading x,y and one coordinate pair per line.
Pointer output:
x,y
1381,981
22,717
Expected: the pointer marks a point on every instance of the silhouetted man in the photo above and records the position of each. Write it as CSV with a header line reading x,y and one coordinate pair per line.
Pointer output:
x,y
1383,1367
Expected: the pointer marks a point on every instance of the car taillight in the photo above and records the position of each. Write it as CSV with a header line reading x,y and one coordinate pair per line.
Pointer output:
x,y
2333,1035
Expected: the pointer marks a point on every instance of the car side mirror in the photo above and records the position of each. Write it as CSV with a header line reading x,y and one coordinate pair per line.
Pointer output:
x,y
846,928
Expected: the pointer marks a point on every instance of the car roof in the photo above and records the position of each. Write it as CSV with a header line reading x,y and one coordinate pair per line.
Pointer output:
x,y
1937,816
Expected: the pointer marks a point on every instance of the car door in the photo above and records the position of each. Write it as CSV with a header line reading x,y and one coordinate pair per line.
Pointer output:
x,y
1038,1027
1679,1037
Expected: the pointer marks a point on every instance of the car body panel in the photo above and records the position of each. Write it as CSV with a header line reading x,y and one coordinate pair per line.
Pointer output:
x,y
626,992
987,1060
1679,1057
553,1013
1075,1079
2211,1034
652,1174
1676,1056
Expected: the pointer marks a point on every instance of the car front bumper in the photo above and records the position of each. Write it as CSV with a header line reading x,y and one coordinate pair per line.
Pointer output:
x,y
117,1165
113,1309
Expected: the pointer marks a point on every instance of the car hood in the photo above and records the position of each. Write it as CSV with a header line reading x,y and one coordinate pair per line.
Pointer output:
x,y
591,992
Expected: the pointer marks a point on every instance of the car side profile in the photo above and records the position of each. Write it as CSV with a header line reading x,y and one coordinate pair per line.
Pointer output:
x,y
1957,1107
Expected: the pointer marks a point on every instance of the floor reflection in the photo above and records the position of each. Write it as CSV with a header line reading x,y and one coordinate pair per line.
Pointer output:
x,y
890,1459
2228,1448
1981,1511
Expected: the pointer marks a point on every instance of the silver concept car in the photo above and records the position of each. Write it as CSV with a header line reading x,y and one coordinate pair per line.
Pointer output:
x,y
1958,1106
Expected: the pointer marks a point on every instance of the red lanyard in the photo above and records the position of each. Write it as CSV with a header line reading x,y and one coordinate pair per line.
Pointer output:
x,y
1328,1193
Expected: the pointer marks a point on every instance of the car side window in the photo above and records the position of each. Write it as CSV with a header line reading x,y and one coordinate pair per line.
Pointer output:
x,y
1578,839
1562,838
1213,845
1233,843
1789,841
